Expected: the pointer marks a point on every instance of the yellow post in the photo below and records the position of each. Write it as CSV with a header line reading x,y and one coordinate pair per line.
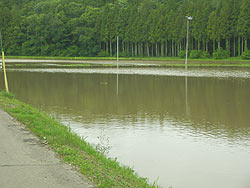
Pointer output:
x,y
4,72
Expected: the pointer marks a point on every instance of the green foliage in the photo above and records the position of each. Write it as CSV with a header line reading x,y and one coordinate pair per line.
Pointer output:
x,y
145,27
196,54
246,55
182,53
221,54
205,55
103,54
7,94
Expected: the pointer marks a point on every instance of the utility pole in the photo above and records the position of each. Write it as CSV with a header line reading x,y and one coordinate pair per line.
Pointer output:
x,y
117,81
117,52
188,19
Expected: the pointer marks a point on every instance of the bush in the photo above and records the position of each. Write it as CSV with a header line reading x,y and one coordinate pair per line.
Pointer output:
x,y
182,54
196,54
122,54
103,54
205,54
221,54
246,54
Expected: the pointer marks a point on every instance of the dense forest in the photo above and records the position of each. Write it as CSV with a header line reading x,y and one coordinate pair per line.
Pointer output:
x,y
145,27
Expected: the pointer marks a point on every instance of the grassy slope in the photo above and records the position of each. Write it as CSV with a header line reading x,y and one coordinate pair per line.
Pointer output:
x,y
232,59
103,171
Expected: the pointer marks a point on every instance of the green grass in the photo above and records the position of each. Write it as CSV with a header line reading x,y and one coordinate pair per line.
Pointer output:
x,y
231,59
60,58
207,65
102,171
75,65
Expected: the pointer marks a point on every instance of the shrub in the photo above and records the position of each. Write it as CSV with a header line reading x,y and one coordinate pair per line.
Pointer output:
x,y
221,54
196,54
103,54
182,54
205,54
246,54
122,54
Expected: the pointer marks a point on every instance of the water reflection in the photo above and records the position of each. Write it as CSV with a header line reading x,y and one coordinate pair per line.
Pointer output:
x,y
117,84
221,104
189,131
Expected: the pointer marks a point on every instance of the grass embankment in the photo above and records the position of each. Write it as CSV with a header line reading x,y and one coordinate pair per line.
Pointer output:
x,y
231,59
207,65
103,171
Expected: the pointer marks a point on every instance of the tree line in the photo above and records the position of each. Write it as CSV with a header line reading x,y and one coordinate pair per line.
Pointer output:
x,y
145,27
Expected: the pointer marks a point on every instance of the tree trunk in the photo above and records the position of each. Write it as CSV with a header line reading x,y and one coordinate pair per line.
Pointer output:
x,y
110,45
152,50
242,45
218,44
227,45
123,47
246,45
234,51
139,49
239,52
107,47
132,49
172,53
166,48
214,45
156,50
148,49
162,49
136,49
142,49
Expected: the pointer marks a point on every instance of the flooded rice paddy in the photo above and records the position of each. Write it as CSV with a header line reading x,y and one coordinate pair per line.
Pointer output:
x,y
185,129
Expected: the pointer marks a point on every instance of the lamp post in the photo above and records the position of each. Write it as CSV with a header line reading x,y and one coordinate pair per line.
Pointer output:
x,y
189,18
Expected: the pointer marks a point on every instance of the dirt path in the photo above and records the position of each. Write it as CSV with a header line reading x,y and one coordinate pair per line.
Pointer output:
x,y
25,162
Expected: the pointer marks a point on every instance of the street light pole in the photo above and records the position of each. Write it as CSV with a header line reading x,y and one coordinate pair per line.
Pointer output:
x,y
117,46
188,19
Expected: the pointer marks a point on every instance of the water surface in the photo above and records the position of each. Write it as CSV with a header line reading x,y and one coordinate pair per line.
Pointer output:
x,y
188,129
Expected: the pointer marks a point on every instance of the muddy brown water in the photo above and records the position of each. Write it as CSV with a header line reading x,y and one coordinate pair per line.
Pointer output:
x,y
185,129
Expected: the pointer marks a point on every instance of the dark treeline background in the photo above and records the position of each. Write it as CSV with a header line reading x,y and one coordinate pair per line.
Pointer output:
x,y
145,27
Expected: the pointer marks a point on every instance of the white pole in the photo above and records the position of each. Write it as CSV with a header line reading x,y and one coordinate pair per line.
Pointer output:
x,y
117,81
117,53
187,44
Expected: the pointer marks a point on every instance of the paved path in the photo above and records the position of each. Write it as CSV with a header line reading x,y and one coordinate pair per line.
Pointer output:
x,y
27,163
